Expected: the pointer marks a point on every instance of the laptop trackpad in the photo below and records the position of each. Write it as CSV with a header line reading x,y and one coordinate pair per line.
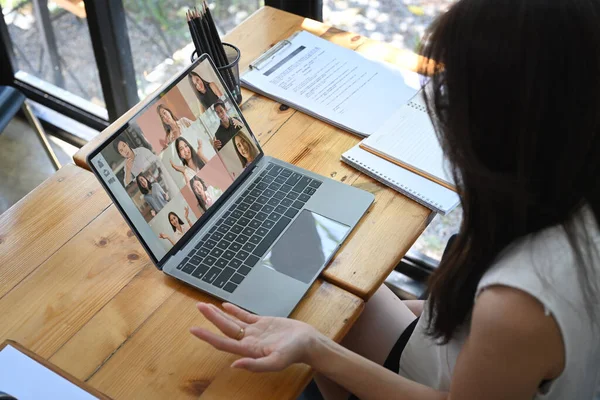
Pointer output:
x,y
306,246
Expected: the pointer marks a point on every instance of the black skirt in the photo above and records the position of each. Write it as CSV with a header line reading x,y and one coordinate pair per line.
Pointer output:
x,y
392,362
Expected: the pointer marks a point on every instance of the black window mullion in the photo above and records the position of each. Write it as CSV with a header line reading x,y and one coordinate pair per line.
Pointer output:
x,y
110,41
7,73
312,9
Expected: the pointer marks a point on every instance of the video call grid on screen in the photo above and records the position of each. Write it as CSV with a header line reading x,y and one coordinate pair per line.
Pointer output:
x,y
177,157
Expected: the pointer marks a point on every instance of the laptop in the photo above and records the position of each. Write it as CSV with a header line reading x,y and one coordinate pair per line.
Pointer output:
x,y
210,208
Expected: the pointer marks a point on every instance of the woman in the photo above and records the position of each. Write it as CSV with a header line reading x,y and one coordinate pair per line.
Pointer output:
x,y
206,195
179,227
153,194
244,148
193,161
208,93
513,307
136,160
172,125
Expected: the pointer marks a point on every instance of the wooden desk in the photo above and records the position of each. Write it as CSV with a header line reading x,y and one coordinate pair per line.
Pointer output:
x,y
394,222
77,288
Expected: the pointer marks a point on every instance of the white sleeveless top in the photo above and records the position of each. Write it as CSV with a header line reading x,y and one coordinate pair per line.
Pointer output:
x,y
542,265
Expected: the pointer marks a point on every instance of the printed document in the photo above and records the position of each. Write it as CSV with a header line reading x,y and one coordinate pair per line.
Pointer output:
x,y
332,83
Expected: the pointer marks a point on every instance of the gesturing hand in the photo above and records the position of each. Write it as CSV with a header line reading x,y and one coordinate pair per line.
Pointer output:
x,y
237,123
268,344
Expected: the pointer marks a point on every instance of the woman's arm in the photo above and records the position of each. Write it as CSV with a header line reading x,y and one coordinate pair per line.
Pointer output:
x,y
187,217
186,121
167,237
216,89
512,347
415,306
177,167
127,177
201,153
362,377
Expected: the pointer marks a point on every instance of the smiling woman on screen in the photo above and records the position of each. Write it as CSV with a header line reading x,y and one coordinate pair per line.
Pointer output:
x,y
192,160
514,307
207,93
244,148
179,227
172,125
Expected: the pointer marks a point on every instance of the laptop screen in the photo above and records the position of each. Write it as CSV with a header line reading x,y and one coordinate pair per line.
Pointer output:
x,y
175,158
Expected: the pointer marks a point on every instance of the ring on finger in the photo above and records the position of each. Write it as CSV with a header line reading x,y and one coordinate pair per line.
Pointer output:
x,y
241,334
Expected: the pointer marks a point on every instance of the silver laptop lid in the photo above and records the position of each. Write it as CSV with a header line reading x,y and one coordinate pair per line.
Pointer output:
x,y
174,161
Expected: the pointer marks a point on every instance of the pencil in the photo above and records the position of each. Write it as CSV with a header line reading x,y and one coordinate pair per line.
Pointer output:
x,y
229,77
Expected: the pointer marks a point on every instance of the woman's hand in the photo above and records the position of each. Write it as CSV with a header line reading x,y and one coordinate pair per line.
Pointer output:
x,y
187,212
163,236
268,344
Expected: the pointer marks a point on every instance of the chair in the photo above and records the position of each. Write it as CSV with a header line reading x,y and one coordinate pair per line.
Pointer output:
x,y
11,100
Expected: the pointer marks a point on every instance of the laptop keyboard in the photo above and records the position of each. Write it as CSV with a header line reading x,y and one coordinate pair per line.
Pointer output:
x,y
247,230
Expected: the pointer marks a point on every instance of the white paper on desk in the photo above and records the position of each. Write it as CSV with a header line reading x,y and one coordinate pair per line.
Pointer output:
x,y
409,137
26,379
332,83
418,188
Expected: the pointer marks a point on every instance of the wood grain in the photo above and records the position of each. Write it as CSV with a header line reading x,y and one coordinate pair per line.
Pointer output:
x,y
44,220
116,322
163,360
68,289
380,241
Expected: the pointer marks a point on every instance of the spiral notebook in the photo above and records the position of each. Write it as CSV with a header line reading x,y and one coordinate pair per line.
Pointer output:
x,y
420,189
408,139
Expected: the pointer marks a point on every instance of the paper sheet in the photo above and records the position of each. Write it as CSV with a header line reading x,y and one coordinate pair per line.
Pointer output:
x,y
26,379
334,83
409,138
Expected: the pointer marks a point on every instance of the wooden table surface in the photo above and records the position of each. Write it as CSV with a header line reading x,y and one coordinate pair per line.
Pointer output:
x,y
394,222
77,289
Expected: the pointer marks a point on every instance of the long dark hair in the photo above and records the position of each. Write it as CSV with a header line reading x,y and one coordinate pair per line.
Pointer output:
x,y
178,219
252,148
199,163
143,189
166,126
201,202
515,104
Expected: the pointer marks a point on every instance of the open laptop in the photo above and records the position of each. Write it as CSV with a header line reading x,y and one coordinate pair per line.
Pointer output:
x,y
185,170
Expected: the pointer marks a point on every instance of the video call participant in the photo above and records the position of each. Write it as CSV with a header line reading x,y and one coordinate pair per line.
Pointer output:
x,y
245,149
153,194
179,227
193,161
228,127
208,93
172,125
136,160
206,195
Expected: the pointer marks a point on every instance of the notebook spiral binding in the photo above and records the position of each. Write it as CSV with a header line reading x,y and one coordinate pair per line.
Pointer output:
x,y
417,106
425,201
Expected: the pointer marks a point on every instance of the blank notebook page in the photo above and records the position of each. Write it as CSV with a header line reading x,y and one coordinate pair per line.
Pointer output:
x,y
408,137
26,379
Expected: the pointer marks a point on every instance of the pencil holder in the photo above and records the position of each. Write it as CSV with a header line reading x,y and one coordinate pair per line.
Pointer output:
x,y
230,73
